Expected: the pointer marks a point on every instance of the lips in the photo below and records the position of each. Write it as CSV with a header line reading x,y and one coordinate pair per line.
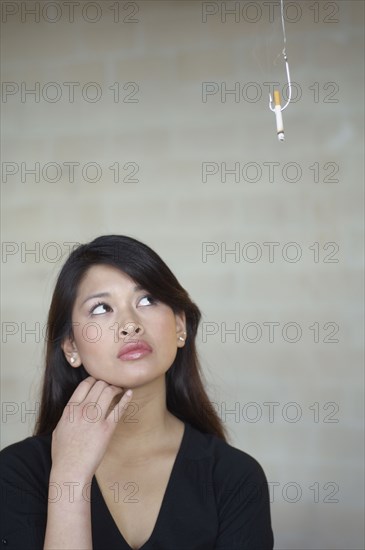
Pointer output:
x,y
134,350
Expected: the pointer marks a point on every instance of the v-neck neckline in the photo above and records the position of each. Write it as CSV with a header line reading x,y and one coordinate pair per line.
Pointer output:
x,y
177,460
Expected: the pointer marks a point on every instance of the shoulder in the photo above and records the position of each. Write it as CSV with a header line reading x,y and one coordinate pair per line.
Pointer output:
x,y
36,445
24,476
236,487
228,461
27,459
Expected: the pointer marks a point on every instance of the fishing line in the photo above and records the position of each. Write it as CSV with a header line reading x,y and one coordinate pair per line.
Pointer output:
x,y
276,105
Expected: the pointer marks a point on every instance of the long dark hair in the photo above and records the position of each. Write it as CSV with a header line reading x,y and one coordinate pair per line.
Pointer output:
x,y
185,394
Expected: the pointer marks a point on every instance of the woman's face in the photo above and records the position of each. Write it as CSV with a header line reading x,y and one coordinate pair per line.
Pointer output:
x,y
112,311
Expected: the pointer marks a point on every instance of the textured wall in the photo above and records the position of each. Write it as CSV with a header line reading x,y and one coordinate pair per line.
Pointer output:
x,y
143,87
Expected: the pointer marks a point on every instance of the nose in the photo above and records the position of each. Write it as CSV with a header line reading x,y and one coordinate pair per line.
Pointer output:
x,y
131,328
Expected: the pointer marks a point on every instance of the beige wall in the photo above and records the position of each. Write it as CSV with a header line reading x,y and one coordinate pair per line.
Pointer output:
x,y
170,136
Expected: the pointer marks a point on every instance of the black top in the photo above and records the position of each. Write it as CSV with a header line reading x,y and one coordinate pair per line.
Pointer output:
x,y
216,499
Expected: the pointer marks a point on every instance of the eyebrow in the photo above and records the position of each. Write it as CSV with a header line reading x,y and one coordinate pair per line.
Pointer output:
x,y
137,288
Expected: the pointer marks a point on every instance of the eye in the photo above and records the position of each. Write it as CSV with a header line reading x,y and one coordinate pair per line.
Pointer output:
x,y
147,300
100,308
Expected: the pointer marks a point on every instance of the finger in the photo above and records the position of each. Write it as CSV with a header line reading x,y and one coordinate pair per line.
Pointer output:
x,y
120,408
97,390
82,390
108,398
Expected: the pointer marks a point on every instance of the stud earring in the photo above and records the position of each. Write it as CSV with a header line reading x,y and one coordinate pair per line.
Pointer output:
x,y
72,360
181,338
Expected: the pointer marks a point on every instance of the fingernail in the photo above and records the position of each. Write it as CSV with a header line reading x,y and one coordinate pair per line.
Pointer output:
x,y
129,392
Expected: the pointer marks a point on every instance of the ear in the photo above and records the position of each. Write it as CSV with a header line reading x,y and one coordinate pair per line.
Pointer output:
x,y
71,353
180,321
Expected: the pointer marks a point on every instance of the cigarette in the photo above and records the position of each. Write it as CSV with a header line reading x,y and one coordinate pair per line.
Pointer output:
x,y
278,116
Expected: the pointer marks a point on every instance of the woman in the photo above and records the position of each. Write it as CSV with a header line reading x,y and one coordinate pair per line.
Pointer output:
x,y
128,452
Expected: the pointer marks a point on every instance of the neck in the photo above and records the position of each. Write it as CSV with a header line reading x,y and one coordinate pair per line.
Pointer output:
x,y
146,424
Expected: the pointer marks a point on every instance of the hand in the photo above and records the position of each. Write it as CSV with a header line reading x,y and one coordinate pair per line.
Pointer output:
x,y
85,428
